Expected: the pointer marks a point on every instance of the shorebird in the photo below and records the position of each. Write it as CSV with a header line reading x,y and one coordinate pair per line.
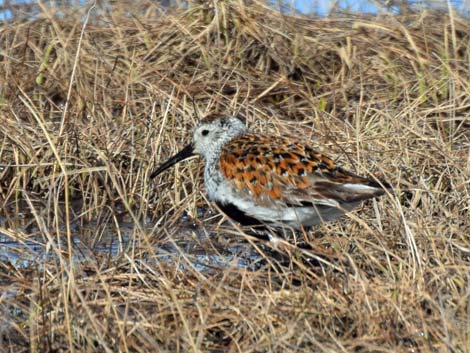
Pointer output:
x,y
259,179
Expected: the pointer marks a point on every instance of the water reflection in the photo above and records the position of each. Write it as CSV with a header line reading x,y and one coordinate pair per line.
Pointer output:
x,y
189,244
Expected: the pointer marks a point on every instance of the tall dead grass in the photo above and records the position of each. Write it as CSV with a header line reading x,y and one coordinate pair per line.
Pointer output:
x,y
92,99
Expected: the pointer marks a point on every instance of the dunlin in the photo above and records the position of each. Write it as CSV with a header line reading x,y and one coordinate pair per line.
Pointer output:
x,y
261,179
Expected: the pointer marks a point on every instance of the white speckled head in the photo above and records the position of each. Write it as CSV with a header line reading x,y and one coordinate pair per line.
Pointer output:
x,y
211,135
208,139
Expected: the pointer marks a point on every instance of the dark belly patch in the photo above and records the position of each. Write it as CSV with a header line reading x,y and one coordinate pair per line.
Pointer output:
x,y
238,215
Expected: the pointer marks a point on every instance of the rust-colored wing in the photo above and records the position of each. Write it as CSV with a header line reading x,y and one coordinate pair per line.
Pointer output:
x,y
279,170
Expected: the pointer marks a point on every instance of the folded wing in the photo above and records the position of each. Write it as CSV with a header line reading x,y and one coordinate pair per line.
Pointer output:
x,y
281,172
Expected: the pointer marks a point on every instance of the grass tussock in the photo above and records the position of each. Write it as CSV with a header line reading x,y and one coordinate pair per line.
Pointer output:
x,y
92,99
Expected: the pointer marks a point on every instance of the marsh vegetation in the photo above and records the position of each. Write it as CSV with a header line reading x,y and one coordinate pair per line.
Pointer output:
x,y
96,257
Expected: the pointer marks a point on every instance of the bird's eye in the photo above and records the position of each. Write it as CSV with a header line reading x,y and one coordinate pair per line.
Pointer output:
x,y
205,132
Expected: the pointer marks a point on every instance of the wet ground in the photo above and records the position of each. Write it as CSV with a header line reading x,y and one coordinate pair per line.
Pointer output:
x,y
26,245
190,246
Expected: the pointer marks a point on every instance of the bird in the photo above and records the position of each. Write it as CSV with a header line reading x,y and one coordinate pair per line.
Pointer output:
x,y
259,179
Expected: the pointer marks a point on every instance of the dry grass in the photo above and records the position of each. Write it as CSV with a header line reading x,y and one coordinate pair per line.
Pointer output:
x,y
89,105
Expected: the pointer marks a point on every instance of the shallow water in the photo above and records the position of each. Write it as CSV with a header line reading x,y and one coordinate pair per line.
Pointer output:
x,y
27,249
189,248
26,246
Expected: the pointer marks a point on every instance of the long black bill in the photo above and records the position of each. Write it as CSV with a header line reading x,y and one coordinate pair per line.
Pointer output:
x,y
185,153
